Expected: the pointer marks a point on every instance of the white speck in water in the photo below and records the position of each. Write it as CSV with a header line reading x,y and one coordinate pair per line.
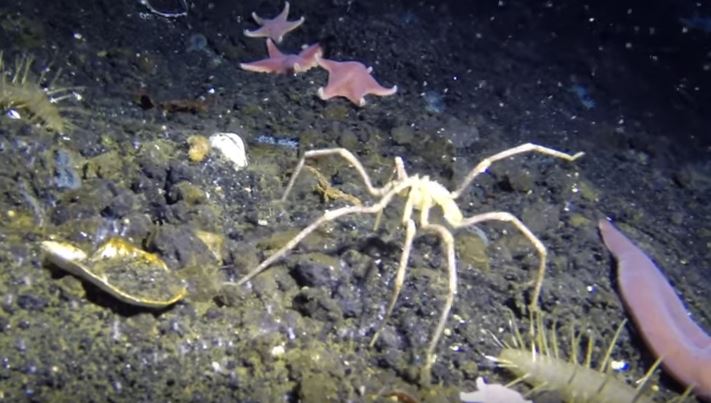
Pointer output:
x,y
278,350
13,114
116,330
619,365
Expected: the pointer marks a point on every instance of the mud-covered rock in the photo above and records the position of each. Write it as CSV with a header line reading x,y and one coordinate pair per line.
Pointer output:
x,y
316,303
316,270
94,197
109,165
180,247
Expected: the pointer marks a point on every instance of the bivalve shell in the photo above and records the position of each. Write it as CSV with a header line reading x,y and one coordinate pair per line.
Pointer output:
x,y
128,273
232,148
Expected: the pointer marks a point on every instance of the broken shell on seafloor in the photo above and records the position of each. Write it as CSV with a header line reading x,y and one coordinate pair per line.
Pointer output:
x,y
130,274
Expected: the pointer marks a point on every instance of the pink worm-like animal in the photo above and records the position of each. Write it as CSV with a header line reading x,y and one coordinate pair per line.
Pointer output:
x,y
660,315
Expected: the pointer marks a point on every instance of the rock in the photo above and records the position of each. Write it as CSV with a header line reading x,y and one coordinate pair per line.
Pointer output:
x,y
315,303
65,174
107,165
402,135
316,270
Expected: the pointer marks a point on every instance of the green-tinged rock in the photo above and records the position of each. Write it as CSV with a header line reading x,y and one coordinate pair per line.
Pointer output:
x,y
579,221
403,135
108,165
187,192
472,251
336,111
588,191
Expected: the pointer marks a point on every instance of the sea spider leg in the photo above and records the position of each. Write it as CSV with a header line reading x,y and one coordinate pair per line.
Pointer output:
x,y
523,148
448,244
410,231
448,241
542,252
398,174
346,155
328,216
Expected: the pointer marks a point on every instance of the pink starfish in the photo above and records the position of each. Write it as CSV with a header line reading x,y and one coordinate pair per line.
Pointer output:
x,y
280,63
276,27
351,80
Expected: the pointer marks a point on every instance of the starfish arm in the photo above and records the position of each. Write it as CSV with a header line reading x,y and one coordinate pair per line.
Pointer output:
x,y
266,31
328,92
259,20
309,57
295,64
326,64
265,66
356,93
312,52
284,13
369,85
272,50
288,26
383,91
298,23
257,33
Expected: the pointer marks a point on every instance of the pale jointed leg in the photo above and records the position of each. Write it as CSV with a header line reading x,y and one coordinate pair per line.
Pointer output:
x,y
523,148
399,276
328,216
448,246
346,155
537,244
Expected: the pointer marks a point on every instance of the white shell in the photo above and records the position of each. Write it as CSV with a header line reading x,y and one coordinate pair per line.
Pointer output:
x,y
231,147
65,255
491,393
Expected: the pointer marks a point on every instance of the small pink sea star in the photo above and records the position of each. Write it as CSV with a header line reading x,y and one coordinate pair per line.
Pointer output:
x,y
281,63
352,80
274,28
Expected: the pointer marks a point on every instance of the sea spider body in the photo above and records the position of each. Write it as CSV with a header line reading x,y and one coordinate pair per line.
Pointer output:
x,y
426,193
422,195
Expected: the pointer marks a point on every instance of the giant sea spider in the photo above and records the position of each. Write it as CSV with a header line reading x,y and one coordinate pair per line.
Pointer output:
x,y
422,194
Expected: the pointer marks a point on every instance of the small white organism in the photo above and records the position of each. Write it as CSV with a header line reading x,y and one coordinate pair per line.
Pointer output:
x,y
492,393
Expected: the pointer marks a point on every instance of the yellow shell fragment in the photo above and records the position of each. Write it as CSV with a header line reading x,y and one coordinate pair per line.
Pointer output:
x,y
213,242
128,273
199,148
